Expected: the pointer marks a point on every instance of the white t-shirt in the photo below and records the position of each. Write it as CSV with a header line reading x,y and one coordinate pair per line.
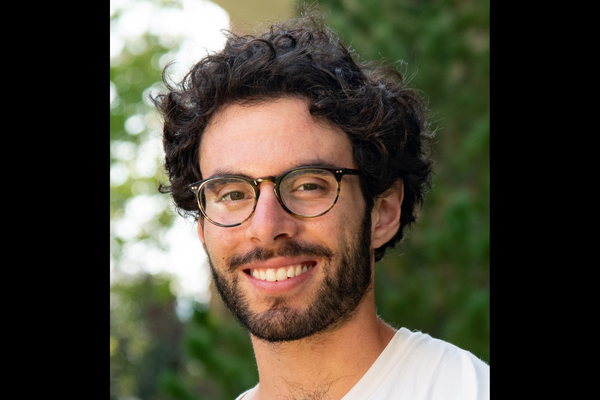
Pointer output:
x,y
415,366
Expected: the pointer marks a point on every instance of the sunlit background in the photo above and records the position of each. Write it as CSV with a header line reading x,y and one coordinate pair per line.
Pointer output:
x,y
169,337
187,30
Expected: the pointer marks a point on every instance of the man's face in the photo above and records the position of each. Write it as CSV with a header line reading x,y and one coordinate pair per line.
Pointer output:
x,y
334,249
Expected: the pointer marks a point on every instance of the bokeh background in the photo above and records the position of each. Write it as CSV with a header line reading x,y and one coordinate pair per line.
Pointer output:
x,y
170,336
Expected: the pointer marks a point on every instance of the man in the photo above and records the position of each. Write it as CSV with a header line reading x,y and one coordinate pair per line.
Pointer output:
x,y
302,166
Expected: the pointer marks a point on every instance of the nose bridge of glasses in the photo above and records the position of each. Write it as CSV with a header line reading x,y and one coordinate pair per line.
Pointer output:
x,y
272,179
257,181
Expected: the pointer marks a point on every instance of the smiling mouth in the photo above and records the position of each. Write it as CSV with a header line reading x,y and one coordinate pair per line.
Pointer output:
x,y
280,274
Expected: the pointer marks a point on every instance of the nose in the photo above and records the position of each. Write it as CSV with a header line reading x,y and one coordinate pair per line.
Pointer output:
x,y
270,222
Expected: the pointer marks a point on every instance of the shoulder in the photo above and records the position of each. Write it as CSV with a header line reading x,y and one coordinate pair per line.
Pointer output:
x,y
445,370
416,366
430,350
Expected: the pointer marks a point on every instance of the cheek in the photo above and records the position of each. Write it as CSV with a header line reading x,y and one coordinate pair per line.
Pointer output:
x,y
221,243
350,206
336,228
212,242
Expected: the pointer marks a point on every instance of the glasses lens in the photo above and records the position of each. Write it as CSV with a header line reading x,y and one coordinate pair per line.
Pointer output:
x,y
227,201
309,192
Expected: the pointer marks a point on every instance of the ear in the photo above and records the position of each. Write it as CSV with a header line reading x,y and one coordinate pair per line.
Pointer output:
x,y
201,230
385,217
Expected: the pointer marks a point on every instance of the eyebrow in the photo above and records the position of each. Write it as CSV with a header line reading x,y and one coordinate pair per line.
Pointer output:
x,y
318,162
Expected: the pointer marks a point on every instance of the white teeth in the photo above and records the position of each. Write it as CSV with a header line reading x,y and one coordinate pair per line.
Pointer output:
x,y
281,274
271,277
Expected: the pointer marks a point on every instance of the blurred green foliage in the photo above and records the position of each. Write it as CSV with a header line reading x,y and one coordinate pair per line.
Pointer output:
x,y
436,281
134,158
145,336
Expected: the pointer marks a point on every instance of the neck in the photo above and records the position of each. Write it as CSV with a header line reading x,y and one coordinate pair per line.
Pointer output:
x,y
326,365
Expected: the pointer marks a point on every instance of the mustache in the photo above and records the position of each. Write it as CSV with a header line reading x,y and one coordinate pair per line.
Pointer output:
x,y
288,249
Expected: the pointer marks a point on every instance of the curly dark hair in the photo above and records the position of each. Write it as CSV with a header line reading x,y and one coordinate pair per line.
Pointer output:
x,y
385,120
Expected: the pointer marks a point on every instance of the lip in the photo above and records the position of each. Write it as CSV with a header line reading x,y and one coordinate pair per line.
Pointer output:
x,y
276,263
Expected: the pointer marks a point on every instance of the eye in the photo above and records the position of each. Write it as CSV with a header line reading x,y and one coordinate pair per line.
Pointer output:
x,y
308,186
311,188
227,190
233,196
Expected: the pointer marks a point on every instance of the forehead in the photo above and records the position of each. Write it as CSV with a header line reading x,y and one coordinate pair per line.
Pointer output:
x,y
269,138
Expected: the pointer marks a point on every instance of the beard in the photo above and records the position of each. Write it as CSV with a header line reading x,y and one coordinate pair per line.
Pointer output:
x,y
336,299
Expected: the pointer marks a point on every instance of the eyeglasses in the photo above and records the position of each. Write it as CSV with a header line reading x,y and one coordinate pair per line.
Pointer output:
x,y
306,192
